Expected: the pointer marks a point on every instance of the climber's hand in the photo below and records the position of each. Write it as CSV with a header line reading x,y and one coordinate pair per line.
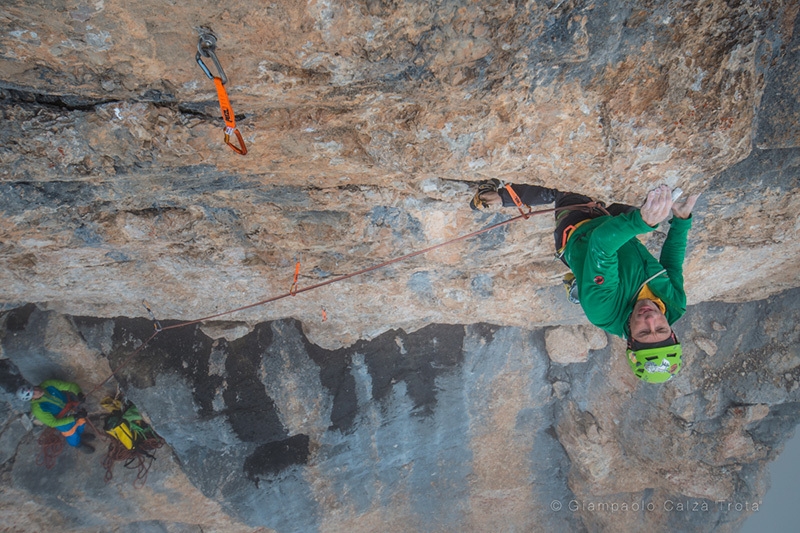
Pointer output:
x,y
684,210
657,206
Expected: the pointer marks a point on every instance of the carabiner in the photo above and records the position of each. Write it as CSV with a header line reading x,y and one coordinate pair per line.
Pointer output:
x,y
156,323
241,149
206,47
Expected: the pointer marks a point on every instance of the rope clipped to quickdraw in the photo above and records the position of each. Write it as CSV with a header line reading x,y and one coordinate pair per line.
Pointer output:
x,y
156,323
206,47
52,442
294,290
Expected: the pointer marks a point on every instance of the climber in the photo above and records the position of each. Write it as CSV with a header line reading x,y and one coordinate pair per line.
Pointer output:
x,y
57,404
622,288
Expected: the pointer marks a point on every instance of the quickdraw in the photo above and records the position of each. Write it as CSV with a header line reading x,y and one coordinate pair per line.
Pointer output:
x,y
206,47
156,323
293,289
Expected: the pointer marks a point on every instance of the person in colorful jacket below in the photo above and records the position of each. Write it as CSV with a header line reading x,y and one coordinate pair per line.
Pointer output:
x,y
57,404
622,288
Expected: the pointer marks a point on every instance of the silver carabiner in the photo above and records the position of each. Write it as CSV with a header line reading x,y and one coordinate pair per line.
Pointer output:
x,y
206,47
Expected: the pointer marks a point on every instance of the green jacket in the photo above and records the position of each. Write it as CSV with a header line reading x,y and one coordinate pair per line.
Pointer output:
x,y
611,267
56,395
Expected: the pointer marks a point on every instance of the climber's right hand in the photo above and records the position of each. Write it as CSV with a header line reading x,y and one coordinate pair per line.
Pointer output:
x,y
657,206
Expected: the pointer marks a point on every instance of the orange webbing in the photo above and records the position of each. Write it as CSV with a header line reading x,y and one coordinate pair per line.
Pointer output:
x,y
293,290
71,431
229,118
517,201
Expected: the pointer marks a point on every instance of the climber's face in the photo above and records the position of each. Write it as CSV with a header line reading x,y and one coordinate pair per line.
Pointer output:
x,y
648,324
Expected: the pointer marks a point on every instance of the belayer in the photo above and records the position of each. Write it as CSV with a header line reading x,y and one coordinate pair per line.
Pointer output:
x,y
621,287
57,404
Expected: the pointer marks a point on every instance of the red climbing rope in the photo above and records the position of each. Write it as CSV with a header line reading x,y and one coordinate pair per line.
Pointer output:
x,y
405,257
139,459
52,443
293,291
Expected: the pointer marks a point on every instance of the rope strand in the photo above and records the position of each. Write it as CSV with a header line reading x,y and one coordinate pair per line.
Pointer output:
x,y
295,291
52,443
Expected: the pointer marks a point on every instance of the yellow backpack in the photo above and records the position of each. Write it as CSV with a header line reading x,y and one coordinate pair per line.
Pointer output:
x,y
124,423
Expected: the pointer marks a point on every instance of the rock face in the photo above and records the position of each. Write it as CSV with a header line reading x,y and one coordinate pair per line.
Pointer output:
x,y
449,428
455,390
367,125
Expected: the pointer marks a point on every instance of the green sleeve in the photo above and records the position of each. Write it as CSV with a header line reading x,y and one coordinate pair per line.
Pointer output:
x,y
49,419
62,385
673,251
605,240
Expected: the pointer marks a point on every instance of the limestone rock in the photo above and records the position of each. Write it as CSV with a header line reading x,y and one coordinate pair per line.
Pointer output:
x,y
467,427
571,344
368,127
707,345
422,394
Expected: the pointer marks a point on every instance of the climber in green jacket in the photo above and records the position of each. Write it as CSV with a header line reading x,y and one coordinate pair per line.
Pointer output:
x,y
58,404
622,288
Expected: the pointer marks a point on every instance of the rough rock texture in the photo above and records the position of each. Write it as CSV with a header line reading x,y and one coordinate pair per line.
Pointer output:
x,y
449,428
367,124
571,344
421,395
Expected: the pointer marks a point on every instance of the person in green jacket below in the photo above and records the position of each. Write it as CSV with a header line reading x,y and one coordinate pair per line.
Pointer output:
x,y
622,288
57,404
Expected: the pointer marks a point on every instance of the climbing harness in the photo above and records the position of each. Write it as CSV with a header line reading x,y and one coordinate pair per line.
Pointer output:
x,y
206,47
569,230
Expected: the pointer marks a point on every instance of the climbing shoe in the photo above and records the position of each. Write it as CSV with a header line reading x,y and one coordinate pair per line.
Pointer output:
x,y
571,286
479,204
86,448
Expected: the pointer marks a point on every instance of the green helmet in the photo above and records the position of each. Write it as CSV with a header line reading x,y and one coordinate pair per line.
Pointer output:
x,y
655,365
